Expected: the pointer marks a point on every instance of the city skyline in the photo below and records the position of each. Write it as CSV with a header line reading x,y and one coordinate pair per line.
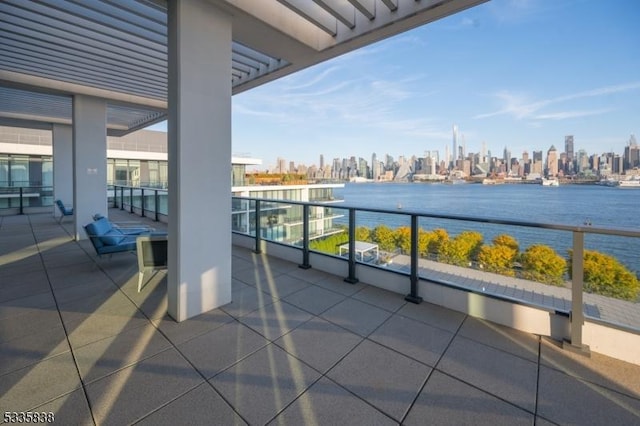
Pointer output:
x,y
510,73
562,147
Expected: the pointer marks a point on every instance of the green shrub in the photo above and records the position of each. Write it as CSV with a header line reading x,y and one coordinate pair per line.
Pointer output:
x,y
462,249
541,263
402,237
330,244
605,275
384,237
497,258
437,238
363,234
507,241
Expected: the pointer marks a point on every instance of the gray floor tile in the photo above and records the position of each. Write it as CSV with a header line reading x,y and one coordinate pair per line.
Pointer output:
x,y
264,383
566,400
381,298
30,322
28,304
103,357
384,378
88,328
246,300
336,284
356,316
319,343
31,349
282,286
413,338
136,391
70,409
447,401
179,332
84,290
314,299
23,288
257,277
434,315
502,374
608,372
217,350
200,406
32,386
310,275
326,403
507,339
272,321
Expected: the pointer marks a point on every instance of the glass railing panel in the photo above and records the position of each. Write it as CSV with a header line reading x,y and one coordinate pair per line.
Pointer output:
x,y
611,279
328,233
163,203
243,216
149,201
137,198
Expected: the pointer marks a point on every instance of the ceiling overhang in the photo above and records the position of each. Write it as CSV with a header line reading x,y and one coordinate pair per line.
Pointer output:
x,y
53,50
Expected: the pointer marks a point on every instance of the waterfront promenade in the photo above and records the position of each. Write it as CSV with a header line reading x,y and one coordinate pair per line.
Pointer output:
x,y
294,347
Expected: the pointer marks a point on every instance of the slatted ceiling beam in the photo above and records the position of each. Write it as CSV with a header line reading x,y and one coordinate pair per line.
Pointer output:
x,y
73,29
366,7
250,53
342,11
77,49
242,67
42,55
391,4
236,57
97,11
314,14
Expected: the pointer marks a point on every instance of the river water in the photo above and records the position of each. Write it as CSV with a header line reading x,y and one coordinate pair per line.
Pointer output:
x,y
599,206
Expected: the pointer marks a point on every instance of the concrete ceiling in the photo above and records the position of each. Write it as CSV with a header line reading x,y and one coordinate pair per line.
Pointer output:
x,y
117,50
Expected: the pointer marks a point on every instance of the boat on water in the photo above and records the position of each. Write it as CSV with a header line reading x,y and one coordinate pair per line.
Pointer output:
x,y
489,181
550,182
629,183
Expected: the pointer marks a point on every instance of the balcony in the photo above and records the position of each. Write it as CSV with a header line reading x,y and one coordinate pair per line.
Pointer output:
x,y
295,346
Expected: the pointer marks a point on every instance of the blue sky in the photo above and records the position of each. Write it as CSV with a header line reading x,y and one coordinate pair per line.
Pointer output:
x,y
515,73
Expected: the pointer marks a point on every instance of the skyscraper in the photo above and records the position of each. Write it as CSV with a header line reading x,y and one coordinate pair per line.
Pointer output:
x,y
568,147
454,151
552,162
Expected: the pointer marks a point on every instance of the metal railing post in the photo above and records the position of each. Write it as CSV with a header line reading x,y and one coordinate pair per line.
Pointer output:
x,y
413,296
155,203
352,279
130,199
142,202
257,249
122,198
576,317
305,238
21,204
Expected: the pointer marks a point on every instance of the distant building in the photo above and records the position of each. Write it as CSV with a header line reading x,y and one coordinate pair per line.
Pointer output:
x,y
552,162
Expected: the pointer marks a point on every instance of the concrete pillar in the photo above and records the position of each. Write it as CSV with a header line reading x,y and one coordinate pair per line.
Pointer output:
x,y
62,165
199,131
89,160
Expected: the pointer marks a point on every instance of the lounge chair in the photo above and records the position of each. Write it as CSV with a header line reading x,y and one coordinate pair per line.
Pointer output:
x,y
64,210
127,228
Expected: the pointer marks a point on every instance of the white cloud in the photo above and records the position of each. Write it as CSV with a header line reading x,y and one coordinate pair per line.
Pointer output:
x,y
521,108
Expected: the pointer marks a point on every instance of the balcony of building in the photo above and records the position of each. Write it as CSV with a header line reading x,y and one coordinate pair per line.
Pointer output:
x,y
295,346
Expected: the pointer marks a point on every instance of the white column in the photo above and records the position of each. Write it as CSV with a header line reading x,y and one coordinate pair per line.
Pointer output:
x,y
89,160
62,165
199,277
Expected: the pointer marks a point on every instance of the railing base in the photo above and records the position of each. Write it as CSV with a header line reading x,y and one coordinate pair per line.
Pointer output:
x,y
413,299
351,280
304,266
583,350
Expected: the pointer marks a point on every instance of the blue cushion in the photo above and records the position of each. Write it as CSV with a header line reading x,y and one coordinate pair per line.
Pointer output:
x,y
102,226
112,238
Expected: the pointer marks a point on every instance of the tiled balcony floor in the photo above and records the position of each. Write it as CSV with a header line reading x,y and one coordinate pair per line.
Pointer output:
x,y
294,347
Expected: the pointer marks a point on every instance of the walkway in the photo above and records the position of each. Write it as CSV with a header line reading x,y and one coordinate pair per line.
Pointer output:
x,y
294,347
615,311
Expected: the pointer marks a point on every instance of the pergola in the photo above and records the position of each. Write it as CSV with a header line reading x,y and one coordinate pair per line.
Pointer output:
x,y
362,248
86,69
